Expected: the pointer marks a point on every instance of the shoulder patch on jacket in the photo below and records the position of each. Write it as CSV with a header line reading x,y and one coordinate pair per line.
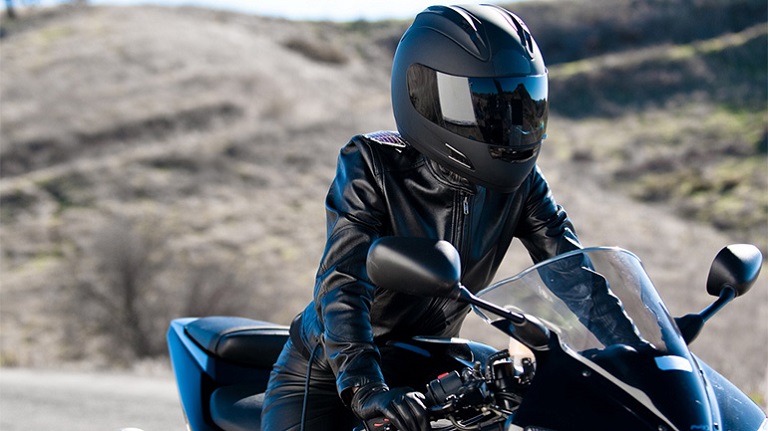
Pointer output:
x,y
389,138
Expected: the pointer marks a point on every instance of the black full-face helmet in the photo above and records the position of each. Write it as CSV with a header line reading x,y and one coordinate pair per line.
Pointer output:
x,y
470,91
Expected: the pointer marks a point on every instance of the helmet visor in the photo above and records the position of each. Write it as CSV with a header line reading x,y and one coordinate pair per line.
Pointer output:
x,y
503,112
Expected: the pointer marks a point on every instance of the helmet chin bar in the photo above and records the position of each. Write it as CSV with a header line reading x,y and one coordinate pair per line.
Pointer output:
x,y
514,154
510,184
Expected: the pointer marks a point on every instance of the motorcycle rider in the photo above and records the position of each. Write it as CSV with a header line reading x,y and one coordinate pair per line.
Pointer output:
x,y
470,100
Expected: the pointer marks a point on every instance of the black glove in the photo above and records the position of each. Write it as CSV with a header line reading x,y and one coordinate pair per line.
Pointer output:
x,y
402,406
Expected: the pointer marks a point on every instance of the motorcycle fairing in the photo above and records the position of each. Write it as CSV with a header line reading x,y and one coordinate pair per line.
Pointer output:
x,y
644,378
737,411
570,393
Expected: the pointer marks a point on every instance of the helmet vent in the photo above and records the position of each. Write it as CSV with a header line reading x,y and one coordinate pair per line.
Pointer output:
x,y
458,157
522,31
465,29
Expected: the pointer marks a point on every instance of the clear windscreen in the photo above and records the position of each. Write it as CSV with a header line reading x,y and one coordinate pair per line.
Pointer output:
x,y
593,299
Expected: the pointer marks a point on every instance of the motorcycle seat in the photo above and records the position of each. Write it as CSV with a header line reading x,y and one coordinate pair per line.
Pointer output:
x,y
253,343
237,407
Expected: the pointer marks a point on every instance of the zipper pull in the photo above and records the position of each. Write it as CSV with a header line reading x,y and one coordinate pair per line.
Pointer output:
x,y
466,205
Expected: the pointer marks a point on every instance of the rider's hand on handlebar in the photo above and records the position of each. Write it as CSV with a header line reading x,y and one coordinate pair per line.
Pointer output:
x,y
402,406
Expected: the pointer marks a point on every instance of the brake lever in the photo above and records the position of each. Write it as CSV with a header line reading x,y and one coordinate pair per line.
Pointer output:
x,y
383,424
377,424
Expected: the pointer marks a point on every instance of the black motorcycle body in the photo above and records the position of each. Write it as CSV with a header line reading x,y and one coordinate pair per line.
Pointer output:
x,y
222,365
577,379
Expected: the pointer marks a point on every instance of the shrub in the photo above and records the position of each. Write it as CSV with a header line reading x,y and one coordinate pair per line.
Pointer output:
x,y
126,283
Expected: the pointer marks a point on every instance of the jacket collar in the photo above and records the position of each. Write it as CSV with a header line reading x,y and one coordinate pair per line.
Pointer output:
x,y
449,177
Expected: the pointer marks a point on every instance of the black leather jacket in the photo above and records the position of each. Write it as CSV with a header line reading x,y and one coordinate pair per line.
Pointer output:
x,y
384,187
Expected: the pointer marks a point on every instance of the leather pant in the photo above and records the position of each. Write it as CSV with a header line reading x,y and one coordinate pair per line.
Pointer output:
x,y
284,405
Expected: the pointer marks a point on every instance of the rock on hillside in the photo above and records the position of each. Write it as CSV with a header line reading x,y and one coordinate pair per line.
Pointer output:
x,y
198,145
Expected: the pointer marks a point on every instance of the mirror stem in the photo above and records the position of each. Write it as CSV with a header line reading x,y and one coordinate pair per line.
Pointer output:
x,y
529,331
690,325
466,296
726,296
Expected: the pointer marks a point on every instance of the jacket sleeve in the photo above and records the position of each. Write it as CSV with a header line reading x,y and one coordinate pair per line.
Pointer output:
x,y
544,227
355,214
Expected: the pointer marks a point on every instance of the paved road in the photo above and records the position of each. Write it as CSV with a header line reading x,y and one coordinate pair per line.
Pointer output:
x,y
81,401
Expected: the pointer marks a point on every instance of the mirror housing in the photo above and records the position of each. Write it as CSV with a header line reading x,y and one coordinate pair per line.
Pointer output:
x,y
734,270
428,267
736,266
415,266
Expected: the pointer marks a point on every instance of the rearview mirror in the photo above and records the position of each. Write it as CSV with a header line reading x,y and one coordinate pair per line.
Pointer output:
x,y
736,266
415,266
734,270
428,267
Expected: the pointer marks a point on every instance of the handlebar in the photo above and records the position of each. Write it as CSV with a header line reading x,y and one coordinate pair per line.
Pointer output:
x,y
471,398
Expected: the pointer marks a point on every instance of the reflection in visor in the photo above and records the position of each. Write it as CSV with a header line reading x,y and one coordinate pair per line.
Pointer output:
x,y
506,112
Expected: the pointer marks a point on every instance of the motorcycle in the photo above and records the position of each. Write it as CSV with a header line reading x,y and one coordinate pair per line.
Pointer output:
x,y
620,362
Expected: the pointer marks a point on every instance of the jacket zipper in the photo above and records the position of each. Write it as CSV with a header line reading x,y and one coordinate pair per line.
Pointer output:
x,y
461,231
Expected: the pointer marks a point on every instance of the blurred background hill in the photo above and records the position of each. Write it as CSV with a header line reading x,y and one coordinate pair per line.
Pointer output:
x,y
159,162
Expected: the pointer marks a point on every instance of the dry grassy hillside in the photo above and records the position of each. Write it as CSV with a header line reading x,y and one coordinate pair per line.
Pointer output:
x,y
207,138
164,162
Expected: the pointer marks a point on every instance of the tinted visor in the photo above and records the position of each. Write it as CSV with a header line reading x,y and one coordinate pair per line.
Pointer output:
x,y
506,112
